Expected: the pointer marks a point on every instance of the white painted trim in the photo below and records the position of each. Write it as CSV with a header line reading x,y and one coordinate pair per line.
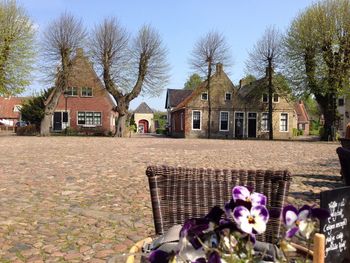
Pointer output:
x,y
67,124
81,92
200,123
234,122
256,123
202,97
273,99
287,121
99,125
261,119
228,93
228,121
181,121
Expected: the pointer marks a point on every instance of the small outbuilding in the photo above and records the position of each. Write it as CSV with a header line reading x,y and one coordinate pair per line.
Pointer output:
x,y
144,118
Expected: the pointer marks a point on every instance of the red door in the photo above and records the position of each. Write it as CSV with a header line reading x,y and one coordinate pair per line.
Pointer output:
x,y
143,126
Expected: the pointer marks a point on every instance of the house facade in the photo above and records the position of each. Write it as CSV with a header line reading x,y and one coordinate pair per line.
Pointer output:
x,y
85,105
302,118
144,119
343,108
10,110
235,113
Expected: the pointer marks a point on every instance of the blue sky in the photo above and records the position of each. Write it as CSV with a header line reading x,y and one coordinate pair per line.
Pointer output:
x,y
180,23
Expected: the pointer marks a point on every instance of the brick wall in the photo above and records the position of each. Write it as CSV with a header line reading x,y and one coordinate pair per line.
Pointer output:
x,y
83,75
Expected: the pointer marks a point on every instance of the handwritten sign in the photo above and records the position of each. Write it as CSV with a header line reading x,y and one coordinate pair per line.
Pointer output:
x,y
337,227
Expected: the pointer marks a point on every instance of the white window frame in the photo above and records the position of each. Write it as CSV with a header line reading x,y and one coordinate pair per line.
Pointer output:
x,y
90,125
228,121
181,121
230,96
261,122
234,122
256,122
284,113
262,98
202,96
85,96
273,98
70,89
200,120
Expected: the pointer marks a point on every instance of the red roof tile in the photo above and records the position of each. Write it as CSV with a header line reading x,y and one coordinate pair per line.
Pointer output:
x,y
303,117
7,106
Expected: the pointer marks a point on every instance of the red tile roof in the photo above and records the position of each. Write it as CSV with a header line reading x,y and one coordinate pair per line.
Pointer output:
x,y
7,106
300,109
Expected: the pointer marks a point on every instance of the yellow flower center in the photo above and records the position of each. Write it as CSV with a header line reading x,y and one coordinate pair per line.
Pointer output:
x,y
248,199
251,220
297,223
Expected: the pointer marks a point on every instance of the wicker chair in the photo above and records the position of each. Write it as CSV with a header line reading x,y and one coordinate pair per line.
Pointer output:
x,y
180,193
344,159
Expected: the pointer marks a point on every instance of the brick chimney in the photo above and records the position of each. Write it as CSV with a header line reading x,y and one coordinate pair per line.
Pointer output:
x,y
219,69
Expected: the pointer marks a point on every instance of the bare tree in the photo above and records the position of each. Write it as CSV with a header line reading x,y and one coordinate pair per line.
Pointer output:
x,y
128,67
61,38
209,51
263,59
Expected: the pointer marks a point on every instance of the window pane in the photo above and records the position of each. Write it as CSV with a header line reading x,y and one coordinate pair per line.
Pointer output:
x,y
224,121
265,121
204,96
228,96
284,122
97,118
265,97
81,117
275,97
196,120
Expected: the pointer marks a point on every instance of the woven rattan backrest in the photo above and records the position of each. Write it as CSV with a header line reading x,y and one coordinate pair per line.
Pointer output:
x,y
180,193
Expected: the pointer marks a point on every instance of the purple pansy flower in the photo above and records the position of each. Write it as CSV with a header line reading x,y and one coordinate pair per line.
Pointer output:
x,y
159,256
302,220
242,193
251,221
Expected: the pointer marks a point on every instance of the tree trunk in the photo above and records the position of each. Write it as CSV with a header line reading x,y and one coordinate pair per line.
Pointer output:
x,y
209,100
120,127
270,100
50,107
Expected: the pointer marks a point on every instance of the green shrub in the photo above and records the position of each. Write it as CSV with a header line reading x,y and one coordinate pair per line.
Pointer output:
x,y
29,130
295,132
160,131
71,131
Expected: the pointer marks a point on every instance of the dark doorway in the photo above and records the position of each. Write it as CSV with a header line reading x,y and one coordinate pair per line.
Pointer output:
x,y
239,124
57,121
252,125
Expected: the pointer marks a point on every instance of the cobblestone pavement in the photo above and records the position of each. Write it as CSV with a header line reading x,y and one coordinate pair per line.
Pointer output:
x,y
77,199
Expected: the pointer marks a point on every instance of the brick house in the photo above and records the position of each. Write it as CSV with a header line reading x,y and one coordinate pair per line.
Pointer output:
x,y
236,113
173,98
86,105
144,118
303,121
10,110
343,108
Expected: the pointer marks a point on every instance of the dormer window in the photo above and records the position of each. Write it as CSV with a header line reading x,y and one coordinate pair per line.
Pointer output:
x,y
71,91
228,96
204,96
86,92
17,108
276,98
265,98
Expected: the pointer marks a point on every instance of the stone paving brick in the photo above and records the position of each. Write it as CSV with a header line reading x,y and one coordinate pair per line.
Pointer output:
x,y
82,198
